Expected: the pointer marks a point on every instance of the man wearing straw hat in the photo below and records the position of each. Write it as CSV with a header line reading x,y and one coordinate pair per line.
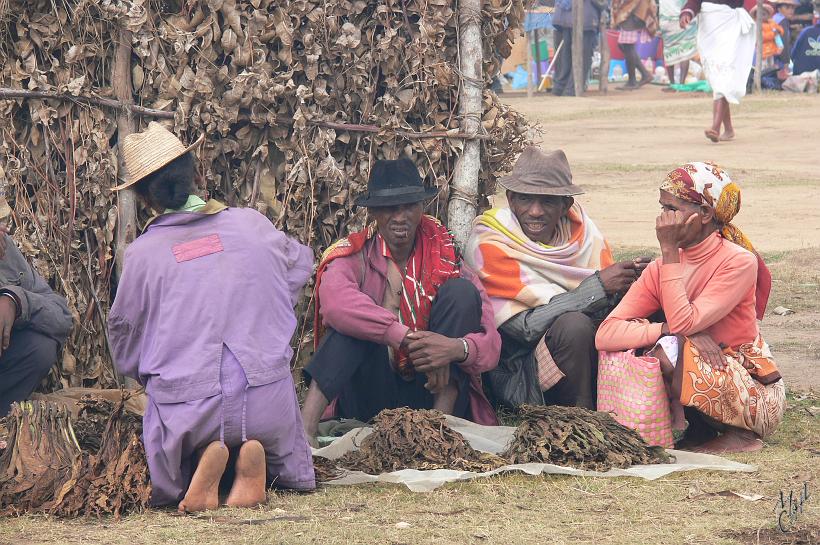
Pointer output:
x,y
551,279
34,322
203,318
399,321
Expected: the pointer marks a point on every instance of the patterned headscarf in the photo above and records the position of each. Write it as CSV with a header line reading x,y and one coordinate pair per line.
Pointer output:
x,y
709,185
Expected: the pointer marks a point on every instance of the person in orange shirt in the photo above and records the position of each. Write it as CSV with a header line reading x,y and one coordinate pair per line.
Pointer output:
x,y
707,293
772,37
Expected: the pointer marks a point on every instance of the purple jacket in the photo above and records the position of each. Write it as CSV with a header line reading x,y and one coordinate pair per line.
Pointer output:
x,y
356,312
195,281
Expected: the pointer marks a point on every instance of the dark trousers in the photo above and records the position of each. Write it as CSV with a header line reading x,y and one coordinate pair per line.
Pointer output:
x,y
23,365
563,83
571,342
359,373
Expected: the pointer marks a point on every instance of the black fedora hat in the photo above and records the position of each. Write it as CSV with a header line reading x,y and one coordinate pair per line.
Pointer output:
x,y
394,182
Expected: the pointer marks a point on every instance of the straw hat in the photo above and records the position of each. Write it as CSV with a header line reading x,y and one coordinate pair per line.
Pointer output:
x,y
148,151
766,6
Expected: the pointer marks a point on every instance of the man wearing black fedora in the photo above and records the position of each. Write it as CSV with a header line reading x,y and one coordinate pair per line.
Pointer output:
x,y
551,278
399,320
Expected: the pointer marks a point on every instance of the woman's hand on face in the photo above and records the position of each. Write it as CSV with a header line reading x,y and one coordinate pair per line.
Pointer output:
x,y
673,227
709,350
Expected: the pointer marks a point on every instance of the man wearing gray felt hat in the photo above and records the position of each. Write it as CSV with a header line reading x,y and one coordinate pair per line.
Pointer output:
x,y
551,278
400,322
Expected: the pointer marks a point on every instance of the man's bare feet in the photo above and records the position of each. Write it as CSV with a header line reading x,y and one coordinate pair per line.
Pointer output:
x,y
646,80
732,440
712,135
203,492
248,489
727,136
627,87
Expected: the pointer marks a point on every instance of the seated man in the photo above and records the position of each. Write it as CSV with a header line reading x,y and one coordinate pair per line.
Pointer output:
x,y
806,51
711,288
34,322
550,278
401,321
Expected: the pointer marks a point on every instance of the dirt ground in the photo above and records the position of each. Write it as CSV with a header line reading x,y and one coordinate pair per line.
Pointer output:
x,y
619,146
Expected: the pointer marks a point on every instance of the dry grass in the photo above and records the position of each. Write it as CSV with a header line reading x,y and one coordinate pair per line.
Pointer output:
x,y
505,509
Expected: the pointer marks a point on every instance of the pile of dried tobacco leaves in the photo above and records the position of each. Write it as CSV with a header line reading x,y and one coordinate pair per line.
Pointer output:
x,y
577,437
92,467
297,99
415,439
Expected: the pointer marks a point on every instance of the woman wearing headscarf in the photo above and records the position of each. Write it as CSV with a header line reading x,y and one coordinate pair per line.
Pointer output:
x,y
699,305
203,319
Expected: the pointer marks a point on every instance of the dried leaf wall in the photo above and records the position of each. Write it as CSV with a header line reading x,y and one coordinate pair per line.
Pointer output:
x,y
268,81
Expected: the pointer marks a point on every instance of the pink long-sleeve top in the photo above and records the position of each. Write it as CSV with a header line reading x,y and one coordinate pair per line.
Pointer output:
x,y
353,310
711,290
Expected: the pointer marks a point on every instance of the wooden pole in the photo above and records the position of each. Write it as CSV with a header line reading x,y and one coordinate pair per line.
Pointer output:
x,y
603,83
126,200
463,205
578,74
10,94
758,46
537,41
529,65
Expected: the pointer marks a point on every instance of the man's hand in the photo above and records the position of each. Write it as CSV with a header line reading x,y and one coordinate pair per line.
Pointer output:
x,y
709,350
4,230
438,379
618,277
8,313
685,19
672,228
430,351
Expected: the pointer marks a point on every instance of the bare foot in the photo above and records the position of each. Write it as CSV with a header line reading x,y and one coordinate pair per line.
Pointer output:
x,y
732,440
646,81
678,417
727,136
712,135
627,87
248,488
203,492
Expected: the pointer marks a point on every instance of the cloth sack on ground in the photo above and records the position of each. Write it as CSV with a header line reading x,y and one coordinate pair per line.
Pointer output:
x,y
807,82
631,388
726,44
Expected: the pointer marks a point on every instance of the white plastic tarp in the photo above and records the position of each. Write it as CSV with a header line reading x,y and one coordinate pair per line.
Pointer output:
x,y
494,439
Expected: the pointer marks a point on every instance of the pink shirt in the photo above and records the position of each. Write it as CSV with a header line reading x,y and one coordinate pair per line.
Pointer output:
x,y
711,290
351,304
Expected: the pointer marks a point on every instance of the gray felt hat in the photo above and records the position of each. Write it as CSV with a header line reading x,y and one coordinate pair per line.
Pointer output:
x,y
540,173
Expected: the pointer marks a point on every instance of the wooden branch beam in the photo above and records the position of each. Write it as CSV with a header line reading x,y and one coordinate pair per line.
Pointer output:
x,y
10,94
578,74
759,47
406,134
126,199
133,109
463,205
603,78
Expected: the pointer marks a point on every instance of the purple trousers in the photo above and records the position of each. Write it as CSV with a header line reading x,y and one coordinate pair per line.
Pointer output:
x,y
173,432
